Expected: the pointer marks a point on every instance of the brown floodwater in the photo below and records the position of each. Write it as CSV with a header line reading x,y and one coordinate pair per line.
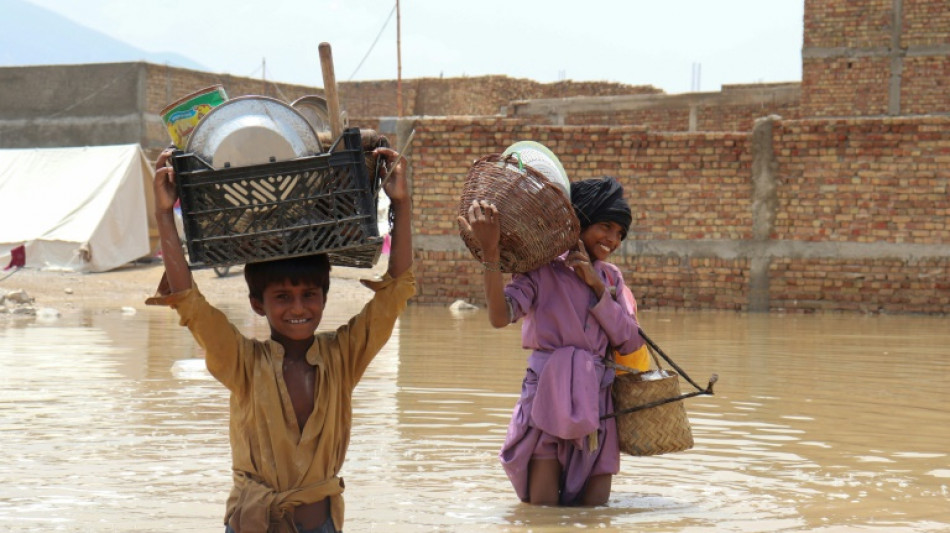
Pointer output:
x,y
823,423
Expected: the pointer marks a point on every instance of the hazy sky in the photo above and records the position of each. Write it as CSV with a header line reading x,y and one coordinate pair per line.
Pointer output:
x,y
637,42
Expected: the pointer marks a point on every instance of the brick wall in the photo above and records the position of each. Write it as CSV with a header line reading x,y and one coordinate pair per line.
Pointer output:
x,y
723,117
656,119
846,23
889,285
925,85
845,86
681,186
864,180
873,196
742,117
735,108
483,95
925,22
70,105
876,57
857,211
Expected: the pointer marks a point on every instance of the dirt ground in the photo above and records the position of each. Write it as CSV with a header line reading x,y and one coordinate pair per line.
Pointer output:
x,y
130,285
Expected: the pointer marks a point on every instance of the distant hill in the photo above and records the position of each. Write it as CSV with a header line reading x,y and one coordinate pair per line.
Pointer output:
x,y
26,38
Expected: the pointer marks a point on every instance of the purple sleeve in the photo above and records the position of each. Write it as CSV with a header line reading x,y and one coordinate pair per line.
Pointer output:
x,y
521,292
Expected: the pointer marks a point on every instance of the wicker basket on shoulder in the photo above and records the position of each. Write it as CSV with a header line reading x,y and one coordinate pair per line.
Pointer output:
x,y
537,220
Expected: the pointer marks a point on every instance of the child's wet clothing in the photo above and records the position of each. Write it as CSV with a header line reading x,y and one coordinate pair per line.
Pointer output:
x,y
276,466
567,386
327,527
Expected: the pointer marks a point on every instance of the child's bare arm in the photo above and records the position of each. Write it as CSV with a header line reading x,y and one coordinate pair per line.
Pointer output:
x,y
176,268
397,189
484,222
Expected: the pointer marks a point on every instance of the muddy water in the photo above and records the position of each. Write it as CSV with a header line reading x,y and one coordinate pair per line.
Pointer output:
x,y
825,423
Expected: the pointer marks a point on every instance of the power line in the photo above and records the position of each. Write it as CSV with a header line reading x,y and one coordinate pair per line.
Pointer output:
x,y
376,40
132,68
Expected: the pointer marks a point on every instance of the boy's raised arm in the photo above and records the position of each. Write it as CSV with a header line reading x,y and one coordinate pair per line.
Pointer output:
x,y
397,189
176,267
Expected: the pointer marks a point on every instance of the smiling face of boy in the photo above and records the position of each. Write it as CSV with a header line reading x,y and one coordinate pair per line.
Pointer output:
x,y
601,239
293,311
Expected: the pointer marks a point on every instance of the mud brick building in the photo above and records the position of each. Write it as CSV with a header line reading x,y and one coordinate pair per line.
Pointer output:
x,y
832,194
876,57
834,198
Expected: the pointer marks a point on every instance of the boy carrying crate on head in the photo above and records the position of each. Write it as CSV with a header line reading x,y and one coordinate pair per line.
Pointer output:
x,y
290,407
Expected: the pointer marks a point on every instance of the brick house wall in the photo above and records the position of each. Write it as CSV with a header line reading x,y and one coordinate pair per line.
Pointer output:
x,y
481,95
735,108
875,57
807,215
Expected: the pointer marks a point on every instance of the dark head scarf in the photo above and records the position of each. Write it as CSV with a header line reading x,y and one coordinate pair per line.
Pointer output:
x,y
600,200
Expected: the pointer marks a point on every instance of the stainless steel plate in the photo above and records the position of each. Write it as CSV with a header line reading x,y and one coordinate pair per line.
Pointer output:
x,y
314,109
250,130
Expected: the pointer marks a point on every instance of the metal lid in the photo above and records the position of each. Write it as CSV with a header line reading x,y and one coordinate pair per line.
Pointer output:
x,y
542,159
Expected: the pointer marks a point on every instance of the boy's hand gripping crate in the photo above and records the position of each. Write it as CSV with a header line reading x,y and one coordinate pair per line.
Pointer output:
x,y
320,204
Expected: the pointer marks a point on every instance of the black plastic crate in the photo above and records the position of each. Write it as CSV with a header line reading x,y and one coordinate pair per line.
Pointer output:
x,y
319,204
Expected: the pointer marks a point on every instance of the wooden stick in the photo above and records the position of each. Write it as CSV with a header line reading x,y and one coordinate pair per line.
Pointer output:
x,y
370,138
329,88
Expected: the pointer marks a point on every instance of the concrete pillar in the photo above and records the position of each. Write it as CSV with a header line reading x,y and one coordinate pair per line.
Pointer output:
x,y
764,207
896,59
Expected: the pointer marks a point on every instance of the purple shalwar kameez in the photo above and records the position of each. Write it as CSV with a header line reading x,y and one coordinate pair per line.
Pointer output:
x,y
567,386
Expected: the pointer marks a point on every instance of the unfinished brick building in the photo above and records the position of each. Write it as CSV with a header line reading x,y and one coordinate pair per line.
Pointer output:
x,y
876,57
840,203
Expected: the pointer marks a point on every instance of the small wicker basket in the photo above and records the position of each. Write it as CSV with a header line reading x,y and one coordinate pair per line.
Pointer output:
x,y
537,220
657,430
651,417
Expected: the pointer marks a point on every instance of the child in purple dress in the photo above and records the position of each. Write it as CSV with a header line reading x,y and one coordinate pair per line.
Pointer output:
x,y
557,450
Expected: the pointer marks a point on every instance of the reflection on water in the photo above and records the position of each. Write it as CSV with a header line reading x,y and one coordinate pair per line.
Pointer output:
x,y
823,423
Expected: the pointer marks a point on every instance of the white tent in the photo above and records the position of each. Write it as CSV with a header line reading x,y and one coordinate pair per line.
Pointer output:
x,y
83,209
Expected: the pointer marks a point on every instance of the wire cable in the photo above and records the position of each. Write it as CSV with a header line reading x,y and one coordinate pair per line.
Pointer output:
x,y
130,70
376,40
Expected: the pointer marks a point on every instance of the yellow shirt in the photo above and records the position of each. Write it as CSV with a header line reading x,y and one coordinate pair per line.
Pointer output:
x,y
275,467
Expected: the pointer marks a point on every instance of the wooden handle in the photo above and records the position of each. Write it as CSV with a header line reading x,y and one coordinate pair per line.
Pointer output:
x,y
329,88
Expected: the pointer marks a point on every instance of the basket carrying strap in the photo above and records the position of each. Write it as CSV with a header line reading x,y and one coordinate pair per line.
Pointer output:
x,y
654,349
653,346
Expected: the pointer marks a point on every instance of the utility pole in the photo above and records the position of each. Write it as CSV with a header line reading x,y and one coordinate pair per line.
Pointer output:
x,y
398,62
